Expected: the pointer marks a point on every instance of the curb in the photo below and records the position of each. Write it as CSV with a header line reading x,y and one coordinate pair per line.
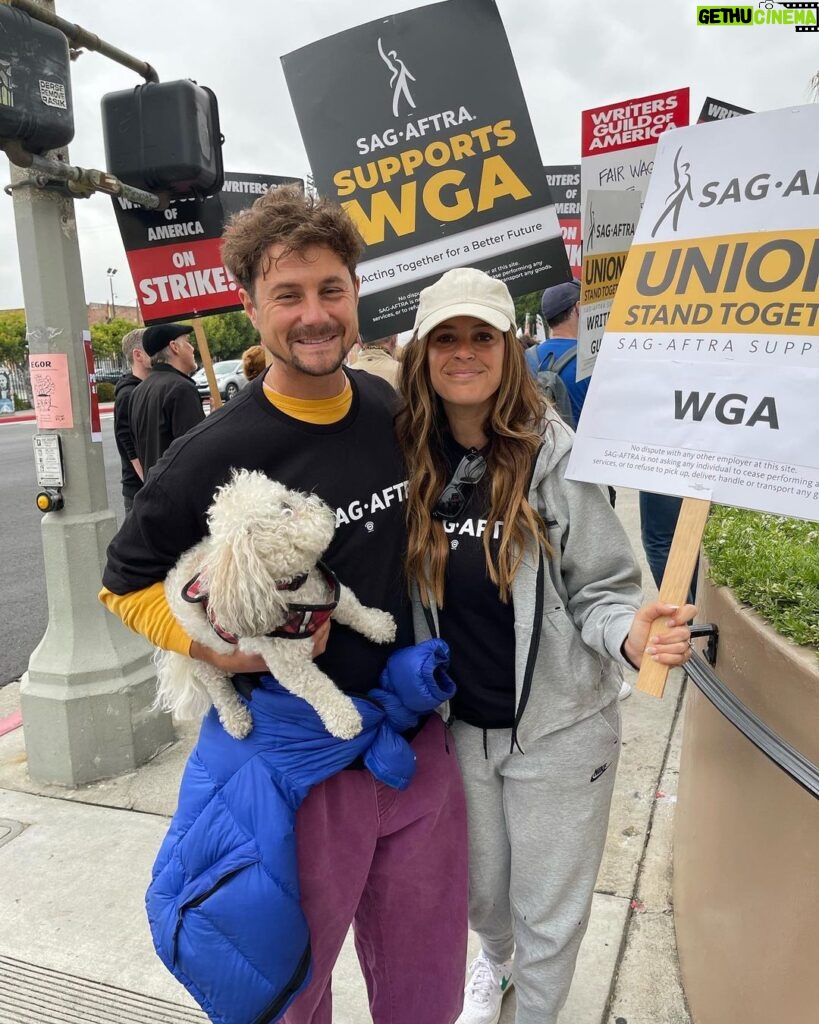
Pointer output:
x,y
30,416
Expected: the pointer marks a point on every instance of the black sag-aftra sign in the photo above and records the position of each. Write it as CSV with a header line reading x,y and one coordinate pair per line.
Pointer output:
x,y
438,169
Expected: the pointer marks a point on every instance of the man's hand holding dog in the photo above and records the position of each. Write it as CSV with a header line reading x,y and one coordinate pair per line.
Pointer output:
x,y
237,662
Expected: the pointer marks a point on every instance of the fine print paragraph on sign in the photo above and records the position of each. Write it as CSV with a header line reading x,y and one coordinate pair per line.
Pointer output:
x,y
705,469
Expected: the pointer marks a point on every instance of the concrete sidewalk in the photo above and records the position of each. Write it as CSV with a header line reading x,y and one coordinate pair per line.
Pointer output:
x,y
74,864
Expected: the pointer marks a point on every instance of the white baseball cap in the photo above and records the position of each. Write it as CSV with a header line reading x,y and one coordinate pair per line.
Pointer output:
x,y
465,292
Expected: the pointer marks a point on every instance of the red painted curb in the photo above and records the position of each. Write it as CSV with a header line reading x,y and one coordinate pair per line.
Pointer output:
x,y
11,722
21,417
29,417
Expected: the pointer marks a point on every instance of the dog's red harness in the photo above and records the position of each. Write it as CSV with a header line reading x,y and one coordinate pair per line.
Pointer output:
x,y
302,619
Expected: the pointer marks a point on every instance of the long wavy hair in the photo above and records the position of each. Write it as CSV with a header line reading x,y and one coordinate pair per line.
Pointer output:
x,y
513,427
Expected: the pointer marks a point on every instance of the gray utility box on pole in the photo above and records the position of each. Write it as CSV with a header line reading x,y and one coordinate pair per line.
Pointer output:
x,y
87,697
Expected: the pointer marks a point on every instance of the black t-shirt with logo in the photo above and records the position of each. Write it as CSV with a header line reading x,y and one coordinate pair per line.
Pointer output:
x,y
354,465
478,627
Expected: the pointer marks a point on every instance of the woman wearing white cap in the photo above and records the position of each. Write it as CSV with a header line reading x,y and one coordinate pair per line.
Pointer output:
x,y
531,580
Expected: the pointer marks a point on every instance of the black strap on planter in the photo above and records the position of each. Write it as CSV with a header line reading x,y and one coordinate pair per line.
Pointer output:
x,y
710,630
782,754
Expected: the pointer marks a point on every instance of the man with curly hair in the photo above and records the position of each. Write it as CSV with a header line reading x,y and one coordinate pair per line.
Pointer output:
x,y
391,864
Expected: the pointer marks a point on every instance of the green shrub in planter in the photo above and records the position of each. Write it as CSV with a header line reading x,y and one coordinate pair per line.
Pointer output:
x,y
21,404
772,564
105,392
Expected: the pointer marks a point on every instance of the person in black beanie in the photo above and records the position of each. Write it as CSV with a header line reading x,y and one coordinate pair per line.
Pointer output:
x,y
167,404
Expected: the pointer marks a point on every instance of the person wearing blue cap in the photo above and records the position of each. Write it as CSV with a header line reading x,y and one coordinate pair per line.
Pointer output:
x,y
167,404
560,308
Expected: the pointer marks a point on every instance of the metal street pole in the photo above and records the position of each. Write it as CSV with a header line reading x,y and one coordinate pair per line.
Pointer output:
x,y
87,696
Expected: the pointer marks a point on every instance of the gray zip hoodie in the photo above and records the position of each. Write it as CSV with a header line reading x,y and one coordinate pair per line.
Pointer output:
x,y
574,608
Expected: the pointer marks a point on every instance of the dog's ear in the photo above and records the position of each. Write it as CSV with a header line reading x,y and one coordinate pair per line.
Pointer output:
x,y
242,596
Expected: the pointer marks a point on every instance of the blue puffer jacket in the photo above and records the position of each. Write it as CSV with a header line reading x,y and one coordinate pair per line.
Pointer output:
x,y
223,904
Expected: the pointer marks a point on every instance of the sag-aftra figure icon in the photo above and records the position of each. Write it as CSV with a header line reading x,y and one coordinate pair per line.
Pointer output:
x,y
400,77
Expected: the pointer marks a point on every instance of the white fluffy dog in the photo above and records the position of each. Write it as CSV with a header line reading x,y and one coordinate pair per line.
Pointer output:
x,y
255,584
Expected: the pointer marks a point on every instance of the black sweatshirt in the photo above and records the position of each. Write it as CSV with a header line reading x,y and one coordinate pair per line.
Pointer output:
x,y
478,627
354,465
122,432
164,407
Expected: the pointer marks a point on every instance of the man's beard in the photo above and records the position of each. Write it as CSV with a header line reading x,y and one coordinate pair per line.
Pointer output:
x,y
334,360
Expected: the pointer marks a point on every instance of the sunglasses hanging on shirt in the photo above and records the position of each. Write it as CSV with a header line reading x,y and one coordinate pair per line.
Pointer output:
x,y
454,497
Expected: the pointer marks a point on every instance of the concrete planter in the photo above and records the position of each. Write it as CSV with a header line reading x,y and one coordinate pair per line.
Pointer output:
x,y
746,837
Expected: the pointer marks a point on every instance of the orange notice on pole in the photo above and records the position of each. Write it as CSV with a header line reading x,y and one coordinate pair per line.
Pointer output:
x,y
52,391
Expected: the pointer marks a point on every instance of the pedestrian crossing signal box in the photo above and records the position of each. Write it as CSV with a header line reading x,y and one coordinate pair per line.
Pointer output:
x,y
35,83
164,136
48,461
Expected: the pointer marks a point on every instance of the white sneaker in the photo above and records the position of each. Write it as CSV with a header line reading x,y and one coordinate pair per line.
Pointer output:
x,y
488,984
625,690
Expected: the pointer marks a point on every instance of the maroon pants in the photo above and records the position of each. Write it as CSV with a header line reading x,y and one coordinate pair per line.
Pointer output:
x,y
394,865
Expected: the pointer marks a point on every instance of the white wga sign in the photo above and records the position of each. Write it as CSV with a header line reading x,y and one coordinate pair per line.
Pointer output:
x,y
708,373
610,218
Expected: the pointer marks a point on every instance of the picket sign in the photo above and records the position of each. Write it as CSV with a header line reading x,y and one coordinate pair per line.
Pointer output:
x,y
393,171
207,363
682,558
716,302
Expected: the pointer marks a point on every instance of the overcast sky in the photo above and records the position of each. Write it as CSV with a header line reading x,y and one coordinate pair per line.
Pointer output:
x,y
570,56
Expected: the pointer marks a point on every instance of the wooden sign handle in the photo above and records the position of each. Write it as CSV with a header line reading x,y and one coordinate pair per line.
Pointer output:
x,y
207,363
682,558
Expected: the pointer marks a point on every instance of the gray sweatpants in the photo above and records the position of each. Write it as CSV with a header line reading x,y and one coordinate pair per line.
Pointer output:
x,y
537,828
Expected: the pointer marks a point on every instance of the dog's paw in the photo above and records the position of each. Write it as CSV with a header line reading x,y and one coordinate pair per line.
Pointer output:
x,y
379,626
345,723
237,722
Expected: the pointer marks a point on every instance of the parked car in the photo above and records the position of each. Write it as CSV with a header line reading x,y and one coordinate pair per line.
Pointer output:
x,y
229,379
109,376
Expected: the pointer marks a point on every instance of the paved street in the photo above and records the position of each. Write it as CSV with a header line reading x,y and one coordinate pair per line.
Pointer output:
x,y
23,618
